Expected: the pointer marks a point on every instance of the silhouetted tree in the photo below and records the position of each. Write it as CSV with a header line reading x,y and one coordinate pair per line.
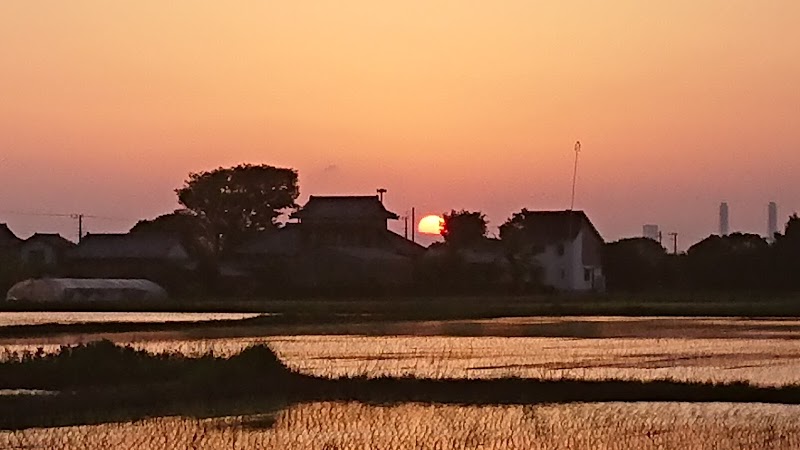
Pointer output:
x,y
194,230
518,238
791,233
786,255
515,231
240,199
736,261
634,264
463,228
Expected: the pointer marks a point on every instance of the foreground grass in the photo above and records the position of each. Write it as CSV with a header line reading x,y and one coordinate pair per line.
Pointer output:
x,y
102,382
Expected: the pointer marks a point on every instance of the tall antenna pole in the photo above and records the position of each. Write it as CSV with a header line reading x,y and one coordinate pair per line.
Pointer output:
x,y
575,175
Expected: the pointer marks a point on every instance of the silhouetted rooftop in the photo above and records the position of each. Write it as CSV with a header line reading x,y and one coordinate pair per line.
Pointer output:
x,y
143,245
547,227
351,208
54,240
283,242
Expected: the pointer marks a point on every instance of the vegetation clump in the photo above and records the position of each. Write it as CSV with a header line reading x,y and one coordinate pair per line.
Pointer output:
x,y
105,364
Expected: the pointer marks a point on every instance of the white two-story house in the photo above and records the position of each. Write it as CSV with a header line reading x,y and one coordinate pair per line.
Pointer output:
x,y
568,250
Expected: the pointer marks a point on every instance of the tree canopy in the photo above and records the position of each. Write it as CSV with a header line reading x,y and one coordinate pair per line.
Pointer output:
x,y
513,231
240,199
634,264
195,231
464,227
516,238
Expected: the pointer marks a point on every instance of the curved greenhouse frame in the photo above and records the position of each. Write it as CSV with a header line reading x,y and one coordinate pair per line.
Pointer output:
x,y
51,290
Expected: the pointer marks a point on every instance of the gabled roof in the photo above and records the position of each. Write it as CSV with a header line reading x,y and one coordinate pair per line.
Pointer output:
x,y
548,227
350,208
53,240
7,237
142,245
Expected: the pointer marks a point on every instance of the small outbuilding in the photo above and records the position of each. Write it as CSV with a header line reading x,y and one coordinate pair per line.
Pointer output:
x,y
53,290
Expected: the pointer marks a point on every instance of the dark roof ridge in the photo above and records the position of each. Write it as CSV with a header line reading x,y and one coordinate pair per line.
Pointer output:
x,y
352,197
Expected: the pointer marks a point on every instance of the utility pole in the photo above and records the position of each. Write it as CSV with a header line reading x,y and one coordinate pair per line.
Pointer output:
x,y
674,237
405,222
413,224
80,225
575,174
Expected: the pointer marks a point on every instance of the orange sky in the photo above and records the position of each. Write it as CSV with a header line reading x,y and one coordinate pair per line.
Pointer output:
x,y
106,106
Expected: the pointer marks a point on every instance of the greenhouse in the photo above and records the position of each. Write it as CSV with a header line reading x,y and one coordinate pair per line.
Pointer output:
x,y
50,290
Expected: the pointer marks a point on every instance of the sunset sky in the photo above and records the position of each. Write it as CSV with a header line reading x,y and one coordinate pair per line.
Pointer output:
x,y
106,106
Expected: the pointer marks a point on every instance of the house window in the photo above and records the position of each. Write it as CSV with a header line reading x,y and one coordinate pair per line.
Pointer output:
x,y
587,275
560,249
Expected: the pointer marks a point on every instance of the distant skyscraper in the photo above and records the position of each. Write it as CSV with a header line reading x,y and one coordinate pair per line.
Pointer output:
x,y
772,221
724,226
651,232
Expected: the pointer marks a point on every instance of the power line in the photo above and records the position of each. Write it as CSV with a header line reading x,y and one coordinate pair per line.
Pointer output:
x,y
69,215
76,216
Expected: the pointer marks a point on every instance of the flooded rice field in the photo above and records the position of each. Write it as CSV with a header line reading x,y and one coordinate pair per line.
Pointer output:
x,y
761,362
345,426
760,351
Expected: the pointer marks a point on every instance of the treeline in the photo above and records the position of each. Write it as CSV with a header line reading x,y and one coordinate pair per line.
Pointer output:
x,y
737,262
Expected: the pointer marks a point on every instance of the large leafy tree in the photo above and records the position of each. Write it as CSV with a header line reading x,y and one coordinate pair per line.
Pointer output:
x,y
240,199
462,228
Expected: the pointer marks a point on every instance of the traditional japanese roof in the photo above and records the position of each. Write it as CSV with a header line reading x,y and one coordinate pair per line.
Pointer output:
x,y
143,245
349,208
288,241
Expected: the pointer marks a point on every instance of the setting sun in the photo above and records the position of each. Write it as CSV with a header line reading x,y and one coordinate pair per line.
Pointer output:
x,y
431,225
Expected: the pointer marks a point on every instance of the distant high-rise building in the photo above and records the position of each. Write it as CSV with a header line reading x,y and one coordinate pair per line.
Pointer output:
x,y
651,232
772,221
724,225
